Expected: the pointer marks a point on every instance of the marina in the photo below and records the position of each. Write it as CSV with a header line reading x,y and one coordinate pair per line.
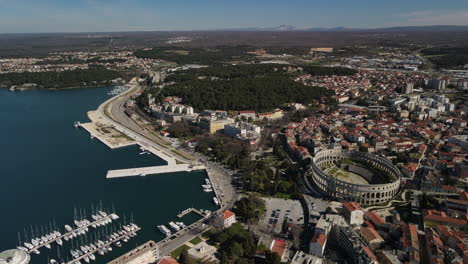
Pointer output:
x,y
81,229
132,229
100,242
69,161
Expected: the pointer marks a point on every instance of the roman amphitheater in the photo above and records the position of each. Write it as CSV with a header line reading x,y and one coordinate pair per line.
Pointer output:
x,y
361,177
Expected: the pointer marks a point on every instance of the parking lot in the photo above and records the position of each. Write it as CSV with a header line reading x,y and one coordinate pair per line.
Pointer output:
x,y
317,206
279,210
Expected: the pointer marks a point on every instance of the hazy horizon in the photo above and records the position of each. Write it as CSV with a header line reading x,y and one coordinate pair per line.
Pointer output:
x,y
60,16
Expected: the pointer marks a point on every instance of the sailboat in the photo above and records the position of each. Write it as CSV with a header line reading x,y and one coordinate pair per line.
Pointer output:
x,y
19,243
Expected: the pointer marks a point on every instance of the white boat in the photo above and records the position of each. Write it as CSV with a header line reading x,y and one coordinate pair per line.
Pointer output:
x,y
53,261
86,258
59,241
208,190
68,228
206,186
109,248
164,230
114,216
174,226
35,242
118,244
47,245
92,256
22,248
100,252
74,253
36,252
103,214
84,249
180,224
215,200
207,181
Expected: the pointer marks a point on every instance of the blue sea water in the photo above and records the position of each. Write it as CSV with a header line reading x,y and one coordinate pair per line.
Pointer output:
x,y
48,168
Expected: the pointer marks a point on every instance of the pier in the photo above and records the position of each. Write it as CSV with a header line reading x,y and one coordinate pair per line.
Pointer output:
x,y
105,245
143,171
108,217
188,211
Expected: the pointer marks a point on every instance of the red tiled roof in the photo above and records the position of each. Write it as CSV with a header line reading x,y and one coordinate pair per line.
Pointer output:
x,y
319,238
441,217
369,253
374,218
168,260
278,246
352,206
370,234
227,214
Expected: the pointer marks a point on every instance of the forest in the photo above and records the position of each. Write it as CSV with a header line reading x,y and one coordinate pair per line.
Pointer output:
x,y
52,79
447,57
262,87
182,55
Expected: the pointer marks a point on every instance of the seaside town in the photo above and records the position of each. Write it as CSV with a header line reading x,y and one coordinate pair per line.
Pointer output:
x,y
371,169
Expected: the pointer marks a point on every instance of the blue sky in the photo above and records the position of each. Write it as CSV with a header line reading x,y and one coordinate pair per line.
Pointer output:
x,y
19,16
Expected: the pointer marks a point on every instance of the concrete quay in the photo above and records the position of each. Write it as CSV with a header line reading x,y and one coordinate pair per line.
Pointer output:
x,y
111,141
143,254
143,171
160,153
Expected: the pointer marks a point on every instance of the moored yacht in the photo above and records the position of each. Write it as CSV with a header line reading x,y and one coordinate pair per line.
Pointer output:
x,y
164,230
180,224
174,226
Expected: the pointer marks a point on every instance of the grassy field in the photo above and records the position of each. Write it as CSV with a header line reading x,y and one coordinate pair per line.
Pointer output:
x,y
196,241
176,253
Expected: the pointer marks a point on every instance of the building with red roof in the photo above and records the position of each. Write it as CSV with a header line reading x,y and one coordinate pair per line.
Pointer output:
x,y
353,213
438,217
374,218
410,242
228,218
168,260
317,244
278,246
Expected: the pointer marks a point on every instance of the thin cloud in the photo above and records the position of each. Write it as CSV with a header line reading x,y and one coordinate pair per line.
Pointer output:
x,y
436,17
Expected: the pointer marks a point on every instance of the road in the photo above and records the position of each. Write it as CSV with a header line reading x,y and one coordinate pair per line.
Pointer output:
x,y
126,125
221,177
168,245
113,112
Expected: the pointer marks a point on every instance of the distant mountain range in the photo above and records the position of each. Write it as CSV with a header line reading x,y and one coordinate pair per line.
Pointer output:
x,y
337,29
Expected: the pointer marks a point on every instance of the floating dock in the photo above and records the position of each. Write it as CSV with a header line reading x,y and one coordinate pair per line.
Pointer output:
x,y
143,171
189,210
105,245
69,233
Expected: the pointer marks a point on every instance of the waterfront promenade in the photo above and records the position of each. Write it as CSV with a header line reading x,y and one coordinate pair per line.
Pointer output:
x,y
152,170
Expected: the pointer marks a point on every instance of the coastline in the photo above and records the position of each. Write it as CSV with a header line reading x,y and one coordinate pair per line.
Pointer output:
x,y
62,88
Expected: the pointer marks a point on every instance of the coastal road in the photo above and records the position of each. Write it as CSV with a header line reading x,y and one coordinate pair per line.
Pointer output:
x,y
114,107
221,177
169,245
